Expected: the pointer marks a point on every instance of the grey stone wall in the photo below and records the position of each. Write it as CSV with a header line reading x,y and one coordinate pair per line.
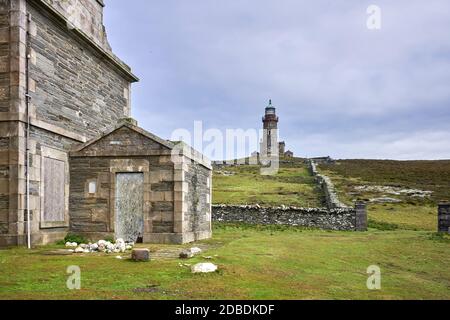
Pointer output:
x,y
198,198
336,219
87,15
176,195
4,185
4,57
74,87
92,213
5,132
444,217
327,187
78,89
122,150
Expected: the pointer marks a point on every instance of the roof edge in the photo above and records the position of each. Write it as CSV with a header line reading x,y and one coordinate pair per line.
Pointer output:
x,y
111,57
123,123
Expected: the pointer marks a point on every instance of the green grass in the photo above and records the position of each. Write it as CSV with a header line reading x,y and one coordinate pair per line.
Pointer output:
x,y
293,185
424,175
255,263
273,262
412,213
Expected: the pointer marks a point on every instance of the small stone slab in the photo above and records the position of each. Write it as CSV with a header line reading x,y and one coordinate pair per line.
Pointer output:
x,y
190,253
204,268
140,255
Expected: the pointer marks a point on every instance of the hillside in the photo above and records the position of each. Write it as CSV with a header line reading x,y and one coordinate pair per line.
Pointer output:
x,y
293,185
402,194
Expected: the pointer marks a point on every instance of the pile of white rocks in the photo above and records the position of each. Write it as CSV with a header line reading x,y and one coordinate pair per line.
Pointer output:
x,y
101,246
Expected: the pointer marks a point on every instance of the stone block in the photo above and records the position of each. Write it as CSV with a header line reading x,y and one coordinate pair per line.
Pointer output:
x,y
179,176
444,217
361,217
168,196
18,34
166,175
4,213
167,217
157,196
32,85
4,64
179,196
155,177
4,35
4,186
165,159
181,186
140,255
180,206
163,206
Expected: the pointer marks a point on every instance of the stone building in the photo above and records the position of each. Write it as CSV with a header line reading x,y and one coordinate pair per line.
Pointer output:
x,y
127,184
61,86
289,154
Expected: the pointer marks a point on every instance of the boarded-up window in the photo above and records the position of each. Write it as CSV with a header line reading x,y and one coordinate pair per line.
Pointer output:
x,y
54,190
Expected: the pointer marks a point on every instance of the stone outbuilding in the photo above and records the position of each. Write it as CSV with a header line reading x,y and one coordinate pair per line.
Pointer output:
x,y
131,184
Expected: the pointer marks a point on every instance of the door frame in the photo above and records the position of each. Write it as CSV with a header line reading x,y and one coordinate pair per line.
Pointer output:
x,y
129,166
141,176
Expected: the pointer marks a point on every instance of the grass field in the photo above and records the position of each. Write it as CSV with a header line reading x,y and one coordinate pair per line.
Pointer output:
x,y
293,185
272,262
411,213
254,262
425,175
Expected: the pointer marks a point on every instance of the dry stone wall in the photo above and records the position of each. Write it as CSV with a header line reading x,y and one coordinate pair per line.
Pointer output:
x,y
327,187
321,218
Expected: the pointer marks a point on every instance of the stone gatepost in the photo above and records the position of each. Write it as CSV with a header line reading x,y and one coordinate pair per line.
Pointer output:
x,y
444,217
361,216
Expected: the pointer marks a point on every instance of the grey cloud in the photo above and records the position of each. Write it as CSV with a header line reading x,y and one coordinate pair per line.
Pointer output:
x,y
365,92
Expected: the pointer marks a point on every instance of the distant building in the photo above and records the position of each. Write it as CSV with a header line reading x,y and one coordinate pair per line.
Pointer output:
x,y
282,148
326,160
288,154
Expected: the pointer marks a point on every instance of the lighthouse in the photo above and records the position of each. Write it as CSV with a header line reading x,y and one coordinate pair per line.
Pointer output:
x,y
270,120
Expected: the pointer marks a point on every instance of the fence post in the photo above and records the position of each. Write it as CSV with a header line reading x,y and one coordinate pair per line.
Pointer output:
x,y
444,217
361,216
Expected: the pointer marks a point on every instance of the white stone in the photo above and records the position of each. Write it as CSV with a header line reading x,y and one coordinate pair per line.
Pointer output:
x,y
71,245
79,250
204,268
120,245
196,250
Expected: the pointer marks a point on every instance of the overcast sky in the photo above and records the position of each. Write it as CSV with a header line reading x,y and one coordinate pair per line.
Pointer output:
x,y
340,89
